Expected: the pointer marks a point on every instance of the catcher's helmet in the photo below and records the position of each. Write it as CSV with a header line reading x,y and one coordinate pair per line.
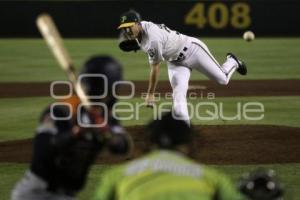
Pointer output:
x,y
261,185
129,18
169,131
104,66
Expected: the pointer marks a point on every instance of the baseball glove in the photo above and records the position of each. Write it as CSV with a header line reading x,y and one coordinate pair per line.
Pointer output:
x,y
129,45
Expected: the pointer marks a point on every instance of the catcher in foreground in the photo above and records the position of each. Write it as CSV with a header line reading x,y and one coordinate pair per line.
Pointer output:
x,y
166,172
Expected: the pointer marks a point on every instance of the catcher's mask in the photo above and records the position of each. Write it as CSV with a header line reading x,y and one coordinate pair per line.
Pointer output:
x,y
169,131
261,185
98,76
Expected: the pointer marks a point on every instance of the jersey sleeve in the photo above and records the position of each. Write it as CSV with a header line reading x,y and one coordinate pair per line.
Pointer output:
x,y
107,187
225,189
155,52
51,136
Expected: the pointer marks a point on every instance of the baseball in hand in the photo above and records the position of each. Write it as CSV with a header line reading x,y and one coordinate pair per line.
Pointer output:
x,y
248,36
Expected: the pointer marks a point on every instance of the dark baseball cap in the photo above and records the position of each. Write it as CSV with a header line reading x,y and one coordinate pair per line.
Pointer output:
x,y
129,18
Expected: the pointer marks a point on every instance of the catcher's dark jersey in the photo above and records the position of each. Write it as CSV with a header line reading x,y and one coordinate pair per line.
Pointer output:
x,y
61,158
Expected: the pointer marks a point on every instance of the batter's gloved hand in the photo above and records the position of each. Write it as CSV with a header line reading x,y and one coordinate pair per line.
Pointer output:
x,y
150,100
129,45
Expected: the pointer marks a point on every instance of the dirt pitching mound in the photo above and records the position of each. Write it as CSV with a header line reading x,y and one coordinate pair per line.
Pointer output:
x,y
212,145
196,88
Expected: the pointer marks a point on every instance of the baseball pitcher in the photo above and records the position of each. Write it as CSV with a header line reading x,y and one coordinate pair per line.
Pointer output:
x,y
182,54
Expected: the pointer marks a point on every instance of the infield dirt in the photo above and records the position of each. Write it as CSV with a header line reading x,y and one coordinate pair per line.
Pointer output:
x,y
245,144
234,88
239,144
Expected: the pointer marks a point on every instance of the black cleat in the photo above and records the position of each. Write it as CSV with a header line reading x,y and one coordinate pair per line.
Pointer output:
x,y
242,69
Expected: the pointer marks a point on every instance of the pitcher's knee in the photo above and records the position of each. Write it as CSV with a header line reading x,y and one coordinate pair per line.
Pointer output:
x,y
179,95
180,91
223,81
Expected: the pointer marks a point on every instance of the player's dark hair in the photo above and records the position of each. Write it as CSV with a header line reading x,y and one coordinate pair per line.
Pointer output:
x,y
169,132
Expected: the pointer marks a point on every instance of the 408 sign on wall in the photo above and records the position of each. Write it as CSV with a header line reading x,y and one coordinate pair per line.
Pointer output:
x,y
219,15
231,18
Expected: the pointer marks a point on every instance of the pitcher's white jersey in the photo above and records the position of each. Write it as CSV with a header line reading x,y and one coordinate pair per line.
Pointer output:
x,y
161,43
182,54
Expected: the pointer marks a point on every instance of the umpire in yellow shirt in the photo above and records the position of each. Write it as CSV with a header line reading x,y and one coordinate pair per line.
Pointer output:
x,y
166,172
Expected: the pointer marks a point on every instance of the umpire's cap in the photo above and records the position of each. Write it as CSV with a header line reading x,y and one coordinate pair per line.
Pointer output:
x,y
98,76
129,18
169,131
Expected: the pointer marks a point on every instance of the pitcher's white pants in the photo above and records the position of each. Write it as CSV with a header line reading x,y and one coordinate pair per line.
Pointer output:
x,y
179,78
203,61
199,58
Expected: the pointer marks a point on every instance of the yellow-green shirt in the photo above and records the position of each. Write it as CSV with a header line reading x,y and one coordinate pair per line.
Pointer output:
x,y
163,175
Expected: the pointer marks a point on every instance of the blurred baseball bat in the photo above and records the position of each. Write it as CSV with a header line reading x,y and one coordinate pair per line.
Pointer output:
x,y
50,33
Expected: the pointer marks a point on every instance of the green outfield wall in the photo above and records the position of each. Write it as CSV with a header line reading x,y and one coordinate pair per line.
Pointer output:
x,y
197,18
